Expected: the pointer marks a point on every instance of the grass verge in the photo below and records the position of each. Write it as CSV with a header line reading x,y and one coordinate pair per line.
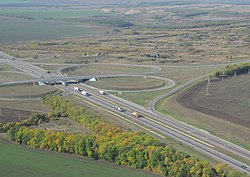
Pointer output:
x,y
24,161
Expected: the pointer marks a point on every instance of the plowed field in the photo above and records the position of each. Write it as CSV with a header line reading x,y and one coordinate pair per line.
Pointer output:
x,y
228,100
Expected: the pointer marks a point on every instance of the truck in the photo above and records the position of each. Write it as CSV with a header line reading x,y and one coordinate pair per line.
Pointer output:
x,y
118,108
64,83
76,88
102,92
85,93
136,114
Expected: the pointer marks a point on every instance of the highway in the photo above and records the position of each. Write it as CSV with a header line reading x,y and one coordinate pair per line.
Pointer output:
x,y
162,125
204,136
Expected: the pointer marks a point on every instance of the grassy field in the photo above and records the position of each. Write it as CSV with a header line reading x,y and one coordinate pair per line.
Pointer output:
x,y
30,30
26,91
8,73
38,14
4,67
214,113
45,24
30,105
51,68
177,73
213,33
95,69
24,161
127,83
12,76
140,98
182,74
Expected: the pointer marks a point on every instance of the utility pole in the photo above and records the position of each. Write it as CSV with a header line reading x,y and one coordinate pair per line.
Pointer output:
x,y
208,81
206,122
39,124
229,129
207,89
222,76
133,124
235,74
1,112
229,97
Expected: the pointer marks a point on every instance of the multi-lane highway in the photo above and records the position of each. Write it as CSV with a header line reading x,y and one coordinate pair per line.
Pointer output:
x,y
151,120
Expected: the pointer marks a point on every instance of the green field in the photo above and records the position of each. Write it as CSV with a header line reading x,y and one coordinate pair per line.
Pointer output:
x,y
127,83
28,24
38,14
95,69
22,162
141,98
182,74
29,30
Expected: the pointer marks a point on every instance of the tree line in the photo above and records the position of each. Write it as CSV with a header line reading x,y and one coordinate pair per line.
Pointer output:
x,y
131,149
112,144
230,70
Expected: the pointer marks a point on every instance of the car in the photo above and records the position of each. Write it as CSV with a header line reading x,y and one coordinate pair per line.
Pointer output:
x,y
244,167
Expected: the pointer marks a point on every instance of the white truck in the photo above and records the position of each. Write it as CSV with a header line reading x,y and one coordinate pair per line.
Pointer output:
x,y
102,92
64,83
85,93
118,108
76,88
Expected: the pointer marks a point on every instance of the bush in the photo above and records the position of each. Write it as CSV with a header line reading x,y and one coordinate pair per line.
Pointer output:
x,y
231,69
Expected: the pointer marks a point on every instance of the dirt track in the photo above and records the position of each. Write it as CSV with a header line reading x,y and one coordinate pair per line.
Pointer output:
x,y
217,104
